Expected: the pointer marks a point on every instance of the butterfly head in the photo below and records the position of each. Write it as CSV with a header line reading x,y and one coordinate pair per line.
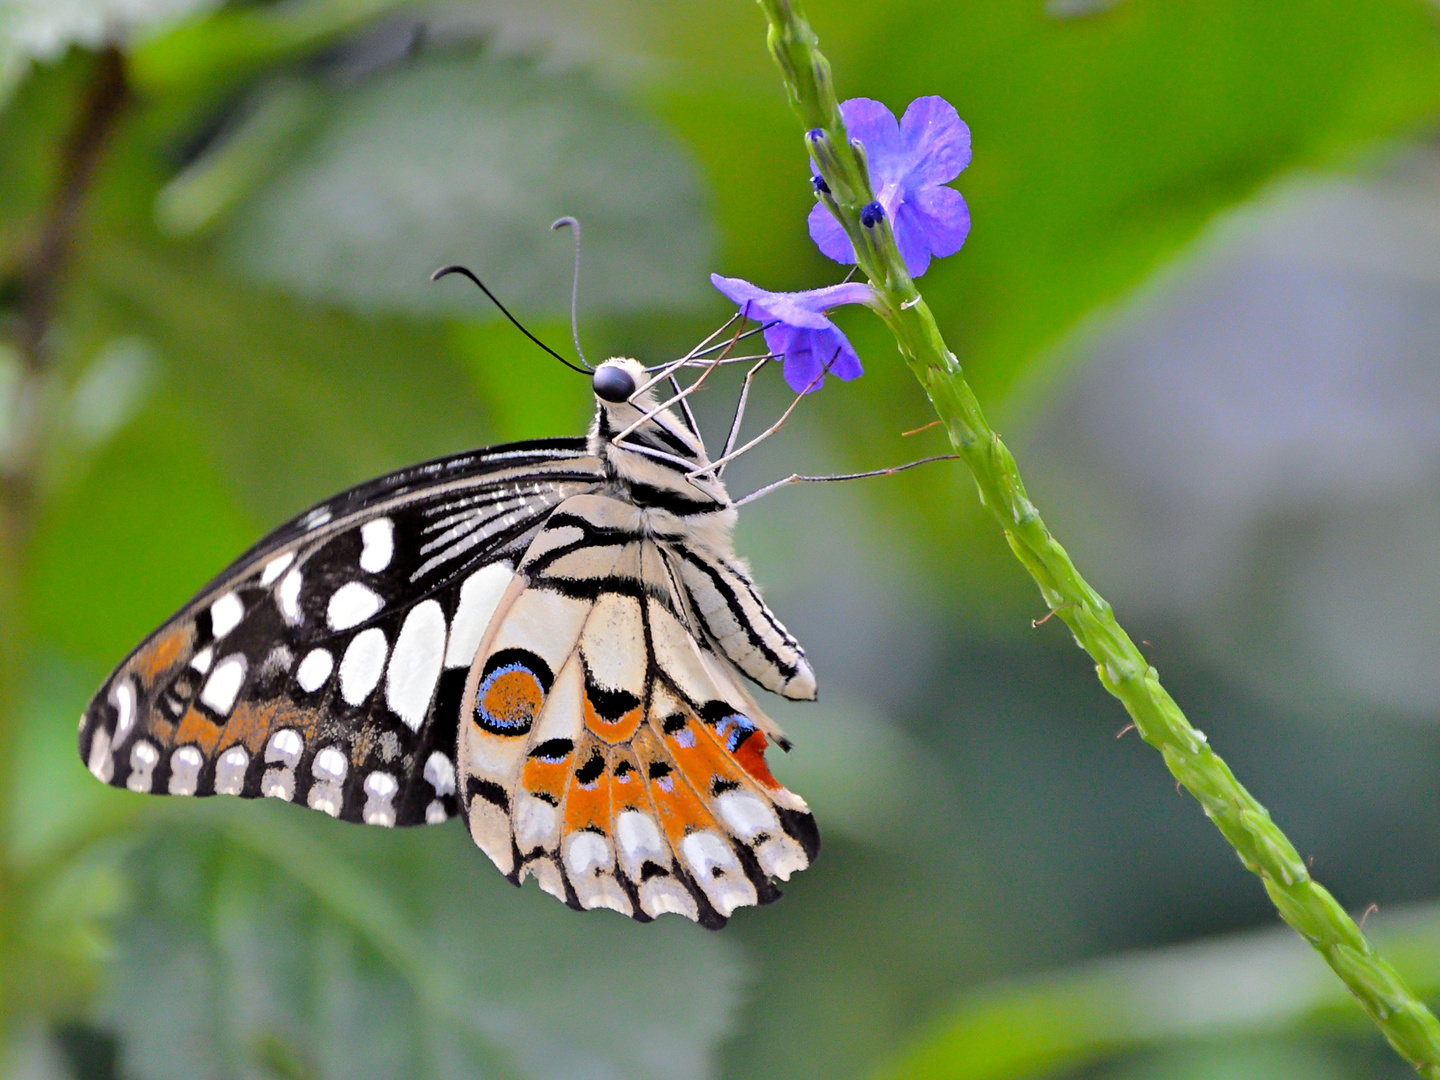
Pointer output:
x,y
650,448
616,379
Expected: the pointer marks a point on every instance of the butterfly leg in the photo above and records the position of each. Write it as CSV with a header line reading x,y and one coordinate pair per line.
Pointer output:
x,y
714,467
679,398
739,412
685,408
796,478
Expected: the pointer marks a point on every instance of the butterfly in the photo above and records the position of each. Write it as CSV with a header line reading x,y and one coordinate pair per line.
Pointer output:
x,y
549,639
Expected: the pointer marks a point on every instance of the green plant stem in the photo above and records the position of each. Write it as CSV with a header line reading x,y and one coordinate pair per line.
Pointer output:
x,y
1409,1026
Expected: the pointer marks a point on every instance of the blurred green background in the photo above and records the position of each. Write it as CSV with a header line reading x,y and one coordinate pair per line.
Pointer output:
x,y
1201,296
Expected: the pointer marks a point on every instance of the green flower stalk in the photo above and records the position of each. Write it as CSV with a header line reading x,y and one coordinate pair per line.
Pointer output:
x,y
1264,849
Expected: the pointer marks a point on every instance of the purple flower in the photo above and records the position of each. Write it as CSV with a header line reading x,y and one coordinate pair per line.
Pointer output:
x,y
910,162
812,345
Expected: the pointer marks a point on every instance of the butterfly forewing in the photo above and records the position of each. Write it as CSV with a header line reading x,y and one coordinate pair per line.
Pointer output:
x,y
548,638
609,753
327,665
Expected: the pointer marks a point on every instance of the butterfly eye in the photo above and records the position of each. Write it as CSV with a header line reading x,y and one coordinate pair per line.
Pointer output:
x,y
613,383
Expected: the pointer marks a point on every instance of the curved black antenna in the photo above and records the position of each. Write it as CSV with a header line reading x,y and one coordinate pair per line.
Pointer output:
x,y
466,272
569,221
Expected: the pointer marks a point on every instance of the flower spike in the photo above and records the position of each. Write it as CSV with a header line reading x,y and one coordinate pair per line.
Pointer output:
x,y
910,164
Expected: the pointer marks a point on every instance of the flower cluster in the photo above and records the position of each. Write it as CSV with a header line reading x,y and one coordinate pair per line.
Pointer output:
x,y
910,163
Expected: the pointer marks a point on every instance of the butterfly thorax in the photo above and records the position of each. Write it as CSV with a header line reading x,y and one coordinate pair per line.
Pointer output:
x,y
652,467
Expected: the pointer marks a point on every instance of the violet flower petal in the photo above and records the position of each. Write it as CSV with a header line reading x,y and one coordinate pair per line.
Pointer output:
x,y
875,126
945,216
799,329
807,352
803,309
912,240
910,161
829,237
936,142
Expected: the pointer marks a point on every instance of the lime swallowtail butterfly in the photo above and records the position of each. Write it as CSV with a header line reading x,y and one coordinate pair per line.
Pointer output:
x,y
549,639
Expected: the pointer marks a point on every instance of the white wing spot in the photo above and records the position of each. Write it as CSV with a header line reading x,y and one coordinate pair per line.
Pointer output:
x,y
185,764
314,670
143,759
415,663
287,597
101,762
639,839
536,823
230,771
275,567
277,661
225,615
224,684
747,814
278,784
351,605
705,853
362,665
327,798
285,746
125,706
586,852
203,659
380,791
440,773
378,538
435,813
329,766
316,518
479,597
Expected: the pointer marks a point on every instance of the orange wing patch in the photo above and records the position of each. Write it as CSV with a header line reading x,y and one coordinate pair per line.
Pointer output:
x,y
163,654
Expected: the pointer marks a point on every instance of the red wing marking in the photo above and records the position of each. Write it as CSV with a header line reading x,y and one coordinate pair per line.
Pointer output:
x,y
751,758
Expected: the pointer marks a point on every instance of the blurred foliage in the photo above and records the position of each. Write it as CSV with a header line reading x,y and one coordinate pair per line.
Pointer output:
x,y
276,942
244,325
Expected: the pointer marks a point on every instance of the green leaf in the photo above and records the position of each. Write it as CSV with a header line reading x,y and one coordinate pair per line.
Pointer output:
x,y
127,542
264,940
1241,985
295,401
468,159
1104,145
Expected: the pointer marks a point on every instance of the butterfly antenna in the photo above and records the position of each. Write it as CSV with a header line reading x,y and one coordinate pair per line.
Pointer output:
x,y
571,223
464,271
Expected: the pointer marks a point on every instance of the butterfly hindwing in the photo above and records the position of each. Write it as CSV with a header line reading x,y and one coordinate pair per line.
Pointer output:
x,y
606,752
327,665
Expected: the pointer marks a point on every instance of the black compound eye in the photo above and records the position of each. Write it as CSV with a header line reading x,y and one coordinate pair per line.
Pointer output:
x,y
613,383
